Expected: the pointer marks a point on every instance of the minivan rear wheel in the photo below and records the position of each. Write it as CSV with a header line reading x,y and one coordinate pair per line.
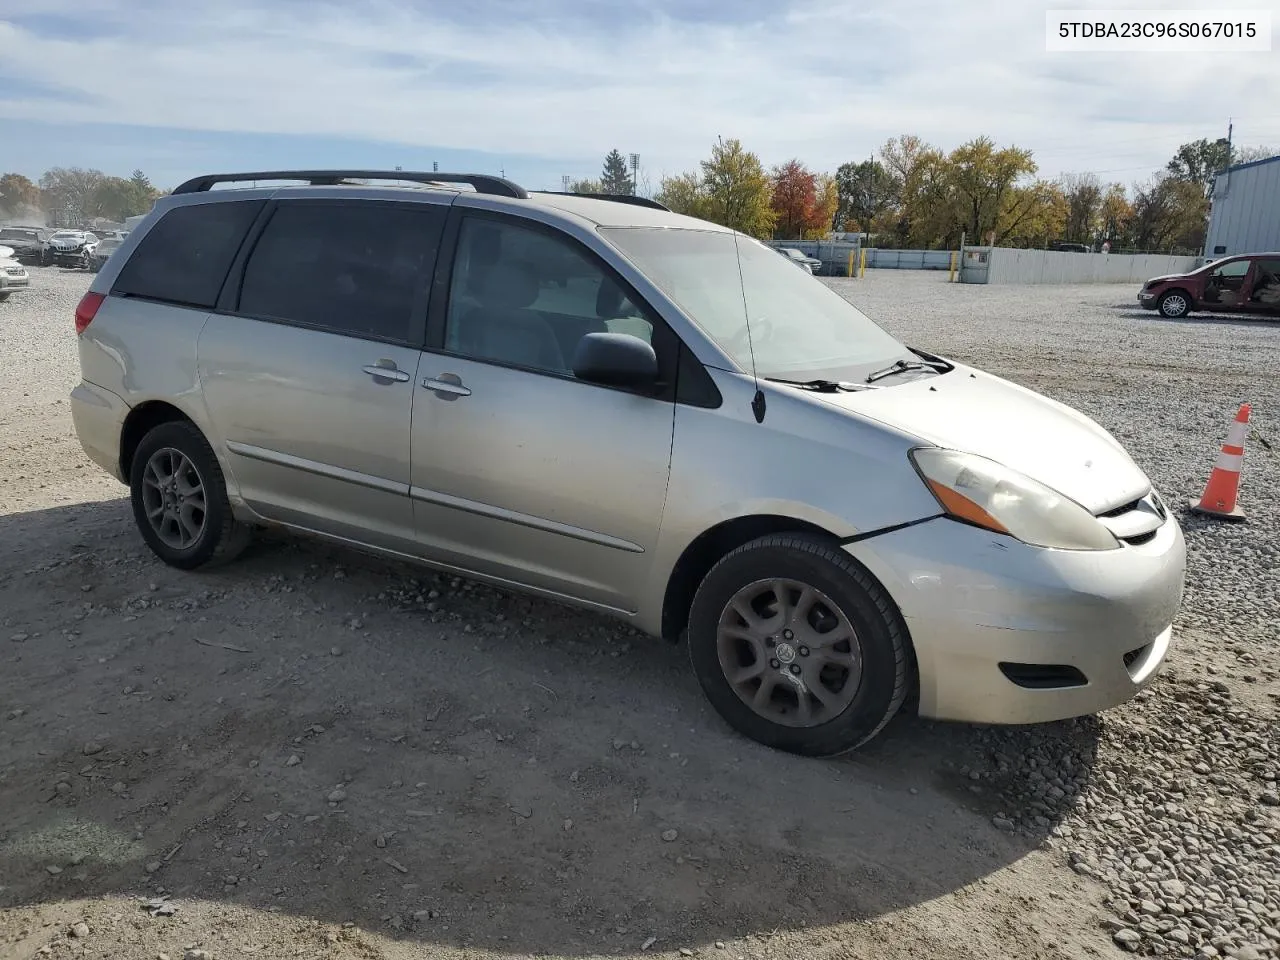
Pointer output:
x,y
798,647
180,499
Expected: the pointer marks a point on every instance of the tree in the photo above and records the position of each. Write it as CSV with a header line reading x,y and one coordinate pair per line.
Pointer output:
x,y
982,178
1083,194
1033,215
683,194
827,213
1169,213
19,197
1114,213
866,191
1198,162
615,177
586,186
1250,154
794,199
737,190
70,190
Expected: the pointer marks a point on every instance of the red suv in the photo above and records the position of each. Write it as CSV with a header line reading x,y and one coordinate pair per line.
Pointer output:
x,y
1246,284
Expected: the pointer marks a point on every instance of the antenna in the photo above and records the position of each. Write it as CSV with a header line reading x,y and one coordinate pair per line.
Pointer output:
x,y
757,401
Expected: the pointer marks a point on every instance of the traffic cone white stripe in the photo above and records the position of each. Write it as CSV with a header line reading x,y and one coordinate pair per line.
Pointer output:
x,y
1237,434
1231,462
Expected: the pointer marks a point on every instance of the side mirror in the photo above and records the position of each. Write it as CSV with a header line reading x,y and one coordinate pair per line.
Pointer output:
x,y
615,360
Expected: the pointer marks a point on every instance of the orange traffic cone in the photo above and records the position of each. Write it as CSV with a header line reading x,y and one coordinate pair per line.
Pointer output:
x,y
1219,499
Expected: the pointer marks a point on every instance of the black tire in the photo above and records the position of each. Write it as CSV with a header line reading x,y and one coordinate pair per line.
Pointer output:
x,y
886,662
4,296
1174,304
222,537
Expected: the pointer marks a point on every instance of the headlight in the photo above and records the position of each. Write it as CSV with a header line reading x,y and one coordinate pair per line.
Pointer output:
x,y
986,494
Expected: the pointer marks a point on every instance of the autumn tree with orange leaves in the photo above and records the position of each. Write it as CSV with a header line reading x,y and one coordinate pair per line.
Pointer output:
x,y
798,201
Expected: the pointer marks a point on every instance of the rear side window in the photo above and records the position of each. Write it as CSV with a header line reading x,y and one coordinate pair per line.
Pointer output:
x,y
349,267
185,257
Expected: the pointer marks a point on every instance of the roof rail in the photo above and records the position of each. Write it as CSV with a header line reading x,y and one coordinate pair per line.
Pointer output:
x,y
482,183
616,197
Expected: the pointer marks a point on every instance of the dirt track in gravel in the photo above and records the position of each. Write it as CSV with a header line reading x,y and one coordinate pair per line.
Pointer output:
x,y
319,754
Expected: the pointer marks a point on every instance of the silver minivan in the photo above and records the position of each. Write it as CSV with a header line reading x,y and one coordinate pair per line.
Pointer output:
x,y
611,405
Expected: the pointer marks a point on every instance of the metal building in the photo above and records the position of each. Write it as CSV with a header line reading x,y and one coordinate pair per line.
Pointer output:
x,y
1245,212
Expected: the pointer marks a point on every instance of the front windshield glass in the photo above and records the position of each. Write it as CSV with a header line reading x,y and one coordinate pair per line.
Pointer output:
x,y
801,329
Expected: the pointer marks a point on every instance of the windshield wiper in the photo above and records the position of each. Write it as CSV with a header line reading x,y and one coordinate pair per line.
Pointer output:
x,y
901,366
821,386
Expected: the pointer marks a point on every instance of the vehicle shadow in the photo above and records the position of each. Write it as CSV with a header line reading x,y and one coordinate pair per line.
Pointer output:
x,y
326,735
1203,319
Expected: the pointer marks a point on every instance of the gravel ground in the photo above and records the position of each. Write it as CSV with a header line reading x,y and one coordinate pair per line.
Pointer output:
x,y
311,753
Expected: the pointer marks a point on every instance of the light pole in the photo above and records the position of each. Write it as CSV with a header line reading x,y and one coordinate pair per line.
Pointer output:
x,y
635,172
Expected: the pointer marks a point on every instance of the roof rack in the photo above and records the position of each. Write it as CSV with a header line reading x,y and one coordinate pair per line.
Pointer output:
x,y
482,183
616,197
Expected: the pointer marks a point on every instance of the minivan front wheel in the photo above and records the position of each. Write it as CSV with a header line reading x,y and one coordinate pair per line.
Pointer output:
x,y
798,647
180,499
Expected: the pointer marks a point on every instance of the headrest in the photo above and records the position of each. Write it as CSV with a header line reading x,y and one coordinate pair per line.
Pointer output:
x,y
608,300
510,286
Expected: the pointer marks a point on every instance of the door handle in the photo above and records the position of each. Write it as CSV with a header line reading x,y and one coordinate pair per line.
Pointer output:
x,y
453,388
385,370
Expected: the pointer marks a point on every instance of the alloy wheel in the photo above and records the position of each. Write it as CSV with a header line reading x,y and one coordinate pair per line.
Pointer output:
x,y
789,652
173,496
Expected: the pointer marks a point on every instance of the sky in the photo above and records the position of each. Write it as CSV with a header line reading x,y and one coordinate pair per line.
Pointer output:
x,y
543,90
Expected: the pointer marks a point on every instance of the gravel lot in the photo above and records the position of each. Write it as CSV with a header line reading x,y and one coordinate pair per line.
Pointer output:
x,y
315,754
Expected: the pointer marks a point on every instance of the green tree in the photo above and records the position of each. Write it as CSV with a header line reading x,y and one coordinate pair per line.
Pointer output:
x,y
1169,214
683,194
982,178
1083,194
586,186
615,177
1198,162
1114,213
866,191
71,191
737,190
19,197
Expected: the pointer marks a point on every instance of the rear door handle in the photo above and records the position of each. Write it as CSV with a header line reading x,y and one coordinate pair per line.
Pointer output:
x,y
385,370
451,387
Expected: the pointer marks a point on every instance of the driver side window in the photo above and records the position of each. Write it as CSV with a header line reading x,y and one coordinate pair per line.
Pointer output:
x,y
1232,271
522,297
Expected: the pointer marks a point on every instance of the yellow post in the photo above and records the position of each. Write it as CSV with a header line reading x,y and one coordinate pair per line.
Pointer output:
x,y
952,276
862,267
850,263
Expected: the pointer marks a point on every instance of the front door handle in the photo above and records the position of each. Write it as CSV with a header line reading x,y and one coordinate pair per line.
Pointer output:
x,y
386,370
450,388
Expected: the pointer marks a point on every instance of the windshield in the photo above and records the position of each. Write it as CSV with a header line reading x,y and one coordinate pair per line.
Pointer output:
x,y
800,328
67,235
8,233
106,246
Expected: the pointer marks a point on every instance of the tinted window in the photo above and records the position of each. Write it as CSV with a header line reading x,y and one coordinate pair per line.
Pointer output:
x,y
348,267
524,297
184,258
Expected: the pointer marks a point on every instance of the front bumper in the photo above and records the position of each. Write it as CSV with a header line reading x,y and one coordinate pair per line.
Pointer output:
x,y
1078,631
1147,300
13,281
68,257
98,416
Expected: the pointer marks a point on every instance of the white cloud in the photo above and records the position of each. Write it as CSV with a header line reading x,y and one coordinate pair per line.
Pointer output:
x,y
825,81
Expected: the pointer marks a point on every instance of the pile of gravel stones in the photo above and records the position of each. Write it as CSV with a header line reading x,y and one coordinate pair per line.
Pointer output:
x,y
1172,803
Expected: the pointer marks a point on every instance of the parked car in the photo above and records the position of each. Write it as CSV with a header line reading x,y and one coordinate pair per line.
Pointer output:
x,y
13,275
105,247
690,436
1067,247
30,245
807,263
72,248
1243,284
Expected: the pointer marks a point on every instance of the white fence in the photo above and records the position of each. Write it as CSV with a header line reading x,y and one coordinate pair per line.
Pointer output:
x,y
878,259
1012,266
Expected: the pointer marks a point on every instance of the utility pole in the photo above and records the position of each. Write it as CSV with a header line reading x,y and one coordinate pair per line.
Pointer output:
x,y
564,182
635,173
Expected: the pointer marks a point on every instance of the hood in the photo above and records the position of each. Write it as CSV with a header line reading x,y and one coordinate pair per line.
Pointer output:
x,y
975,412
1171,276
6,253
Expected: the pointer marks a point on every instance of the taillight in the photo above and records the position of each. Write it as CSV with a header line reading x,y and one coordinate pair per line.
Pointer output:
x,y
87,309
